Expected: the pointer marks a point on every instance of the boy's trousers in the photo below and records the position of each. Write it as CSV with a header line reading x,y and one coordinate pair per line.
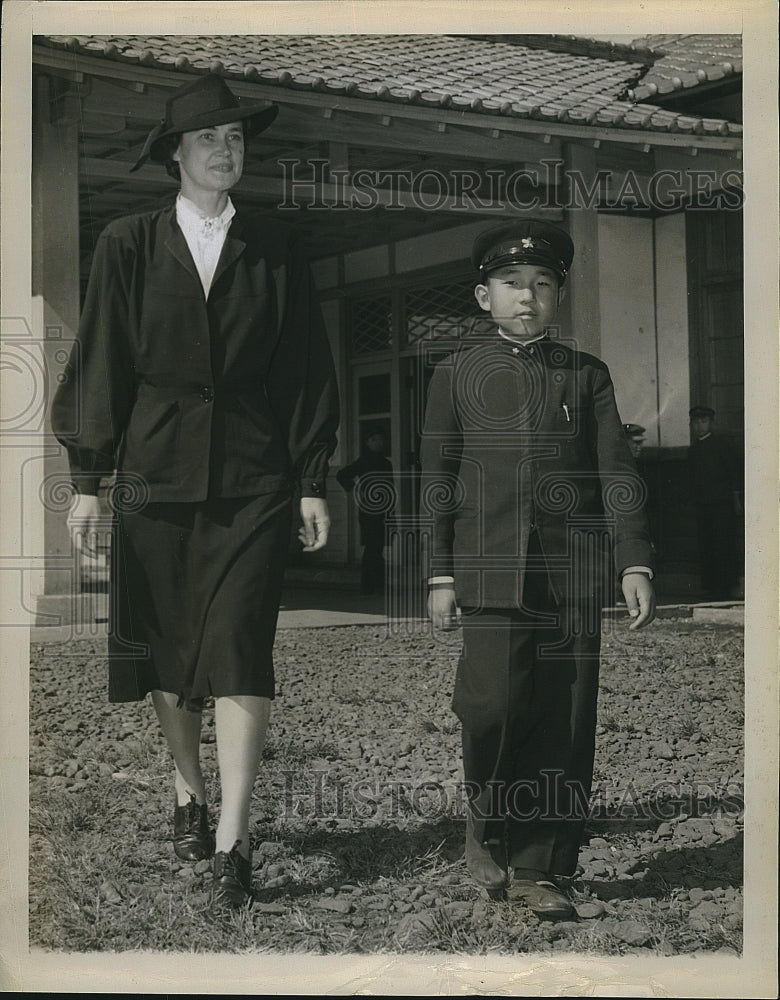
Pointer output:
x,y
525,692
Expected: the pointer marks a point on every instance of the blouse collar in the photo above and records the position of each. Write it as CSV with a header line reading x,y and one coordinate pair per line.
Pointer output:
x,y
189,213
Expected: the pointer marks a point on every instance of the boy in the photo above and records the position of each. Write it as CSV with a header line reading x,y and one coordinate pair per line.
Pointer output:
x,y
528,474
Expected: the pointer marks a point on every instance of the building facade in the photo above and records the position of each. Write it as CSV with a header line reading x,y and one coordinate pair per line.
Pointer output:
x,y
390,165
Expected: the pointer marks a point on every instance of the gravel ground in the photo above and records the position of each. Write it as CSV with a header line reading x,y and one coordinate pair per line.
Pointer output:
x,y
359,813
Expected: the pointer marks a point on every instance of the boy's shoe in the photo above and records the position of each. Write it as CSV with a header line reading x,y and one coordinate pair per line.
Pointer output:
x,y
541,895
486,863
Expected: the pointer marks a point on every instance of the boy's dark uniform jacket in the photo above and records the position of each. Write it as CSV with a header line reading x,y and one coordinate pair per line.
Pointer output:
x,y
519,438
230,396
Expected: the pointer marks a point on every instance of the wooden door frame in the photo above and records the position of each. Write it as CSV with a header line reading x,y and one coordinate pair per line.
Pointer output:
x,y
700,279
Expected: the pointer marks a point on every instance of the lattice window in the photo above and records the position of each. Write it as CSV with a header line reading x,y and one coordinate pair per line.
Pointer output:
x,y
439,312
372,324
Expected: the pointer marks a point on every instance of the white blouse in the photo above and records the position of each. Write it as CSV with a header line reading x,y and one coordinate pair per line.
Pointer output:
x,y
205,236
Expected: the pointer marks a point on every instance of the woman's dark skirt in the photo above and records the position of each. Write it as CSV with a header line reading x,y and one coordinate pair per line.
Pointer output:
x,y
195,591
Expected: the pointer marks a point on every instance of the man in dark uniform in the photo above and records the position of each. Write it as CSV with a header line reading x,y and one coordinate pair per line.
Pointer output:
x,y
716,485
529,479
635,434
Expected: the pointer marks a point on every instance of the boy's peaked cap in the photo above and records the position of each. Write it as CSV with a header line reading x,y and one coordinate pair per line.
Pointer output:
x,y
527,241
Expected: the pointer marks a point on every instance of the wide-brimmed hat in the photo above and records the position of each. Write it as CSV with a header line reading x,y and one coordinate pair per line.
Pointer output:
x,y
204,102
527,241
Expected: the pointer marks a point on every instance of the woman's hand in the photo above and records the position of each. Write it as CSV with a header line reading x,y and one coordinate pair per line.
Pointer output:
x,y
640,598
86,523
313,533
442,609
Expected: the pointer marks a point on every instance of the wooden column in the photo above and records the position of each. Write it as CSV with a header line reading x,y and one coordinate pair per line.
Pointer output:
x,y
584,311
55,198
55,283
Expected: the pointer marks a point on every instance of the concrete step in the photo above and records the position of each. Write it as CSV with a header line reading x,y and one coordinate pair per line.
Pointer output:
x,y
78,611
86,615
720,614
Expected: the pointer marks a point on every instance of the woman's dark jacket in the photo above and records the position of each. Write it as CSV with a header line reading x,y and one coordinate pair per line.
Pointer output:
x,y
230,396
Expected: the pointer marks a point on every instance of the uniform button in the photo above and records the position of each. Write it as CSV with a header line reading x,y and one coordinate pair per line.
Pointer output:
x,y
207,394
531,350
315,488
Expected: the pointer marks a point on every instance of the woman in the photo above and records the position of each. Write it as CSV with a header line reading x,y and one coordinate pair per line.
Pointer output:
x,y
203,377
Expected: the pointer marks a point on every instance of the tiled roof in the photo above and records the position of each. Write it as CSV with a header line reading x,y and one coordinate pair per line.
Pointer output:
x,y
439,71
685,61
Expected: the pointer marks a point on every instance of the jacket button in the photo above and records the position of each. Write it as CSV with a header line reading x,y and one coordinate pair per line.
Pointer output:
x,y
207,394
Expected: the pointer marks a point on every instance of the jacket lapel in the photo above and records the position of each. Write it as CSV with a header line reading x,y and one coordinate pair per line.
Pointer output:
x,y
232,249
177,245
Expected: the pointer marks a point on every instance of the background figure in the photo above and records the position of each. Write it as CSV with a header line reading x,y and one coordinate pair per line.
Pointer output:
x,y
378,488
635,435
716,488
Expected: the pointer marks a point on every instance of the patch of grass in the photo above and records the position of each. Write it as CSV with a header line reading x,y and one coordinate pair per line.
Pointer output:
x,y
616,723
446,728
687,728
59,815
288,753
372,699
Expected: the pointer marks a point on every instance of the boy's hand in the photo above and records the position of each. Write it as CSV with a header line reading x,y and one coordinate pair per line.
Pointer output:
x,y
313,533
640,598
442,609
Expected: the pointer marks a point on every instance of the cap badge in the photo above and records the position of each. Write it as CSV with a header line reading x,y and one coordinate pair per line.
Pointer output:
x,y
527,242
